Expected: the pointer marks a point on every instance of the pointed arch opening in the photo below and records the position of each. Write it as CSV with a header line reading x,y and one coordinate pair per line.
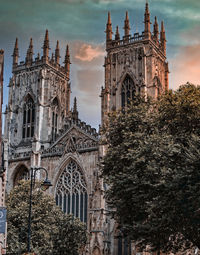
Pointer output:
x,y
128,91
22,173
71,191
28,118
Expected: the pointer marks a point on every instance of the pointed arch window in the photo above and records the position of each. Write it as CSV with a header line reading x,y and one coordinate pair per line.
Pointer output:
x,y
71,192
128,91
54,126
28,118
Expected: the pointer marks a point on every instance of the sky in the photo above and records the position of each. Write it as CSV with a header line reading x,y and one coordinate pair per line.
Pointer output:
x,y
81,24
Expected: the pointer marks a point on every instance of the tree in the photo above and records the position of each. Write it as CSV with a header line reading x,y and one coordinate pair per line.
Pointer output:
x,y
52,231
152,169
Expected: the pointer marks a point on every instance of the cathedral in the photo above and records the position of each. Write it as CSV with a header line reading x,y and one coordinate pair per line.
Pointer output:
x,y
42,130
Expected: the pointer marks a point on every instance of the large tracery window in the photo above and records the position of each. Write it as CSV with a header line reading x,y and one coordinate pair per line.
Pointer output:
x,y
71,192
128,91
28,119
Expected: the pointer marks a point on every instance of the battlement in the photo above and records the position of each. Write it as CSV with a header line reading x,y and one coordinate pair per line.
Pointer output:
x,y
53,62
160,42
38,61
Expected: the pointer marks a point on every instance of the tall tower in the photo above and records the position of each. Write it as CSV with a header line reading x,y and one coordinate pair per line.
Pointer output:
x,y
39,97
134,64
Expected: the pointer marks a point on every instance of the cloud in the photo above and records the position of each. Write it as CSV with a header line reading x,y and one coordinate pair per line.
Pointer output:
x,y
87,52
186,66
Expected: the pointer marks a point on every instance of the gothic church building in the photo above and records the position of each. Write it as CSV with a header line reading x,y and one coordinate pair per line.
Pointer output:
x,y
43,131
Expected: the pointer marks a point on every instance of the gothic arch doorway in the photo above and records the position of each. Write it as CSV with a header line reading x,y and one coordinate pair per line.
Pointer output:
x,y
71,191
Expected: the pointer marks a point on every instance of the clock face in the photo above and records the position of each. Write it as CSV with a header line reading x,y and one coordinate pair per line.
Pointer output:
x,y
1,214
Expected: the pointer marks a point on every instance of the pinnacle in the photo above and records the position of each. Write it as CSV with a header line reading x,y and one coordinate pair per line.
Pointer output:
x,y
109,18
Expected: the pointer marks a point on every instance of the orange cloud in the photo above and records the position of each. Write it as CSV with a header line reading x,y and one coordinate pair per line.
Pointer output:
x,y
185,67
88,52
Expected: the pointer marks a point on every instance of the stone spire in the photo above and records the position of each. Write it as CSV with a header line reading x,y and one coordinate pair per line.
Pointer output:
x,y
163,38
52,57
29,54
147,23
75,111
117,35
126,25
57,53
108,30
15,54
46,47
67,61
156,30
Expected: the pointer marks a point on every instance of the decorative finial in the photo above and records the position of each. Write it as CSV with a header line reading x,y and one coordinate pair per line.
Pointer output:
x,y
15,54
163,37
57,53
29,54
156,30
126,25
108,30
46,47
117,35
67,61
75,111
147,29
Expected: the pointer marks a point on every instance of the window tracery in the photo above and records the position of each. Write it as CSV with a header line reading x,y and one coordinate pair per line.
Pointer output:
x,y
28,119
128,91
71,191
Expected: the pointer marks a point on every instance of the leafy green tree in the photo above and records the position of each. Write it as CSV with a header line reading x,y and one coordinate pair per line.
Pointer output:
x,y
152,169
52,231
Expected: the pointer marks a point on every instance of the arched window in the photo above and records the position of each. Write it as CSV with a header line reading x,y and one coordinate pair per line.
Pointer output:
x,y
128,91
22,174
71,191
28,119
54,128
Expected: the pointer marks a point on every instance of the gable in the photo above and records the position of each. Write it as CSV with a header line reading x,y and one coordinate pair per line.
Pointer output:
x,y
73,140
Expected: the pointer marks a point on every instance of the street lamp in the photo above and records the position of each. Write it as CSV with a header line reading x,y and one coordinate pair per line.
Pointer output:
x,y
45,185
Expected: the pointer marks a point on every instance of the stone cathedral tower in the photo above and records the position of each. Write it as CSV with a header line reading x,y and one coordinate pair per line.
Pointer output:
x,y
39,95
135,63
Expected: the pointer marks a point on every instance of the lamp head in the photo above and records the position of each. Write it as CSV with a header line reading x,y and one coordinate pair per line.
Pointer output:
x,y
46,184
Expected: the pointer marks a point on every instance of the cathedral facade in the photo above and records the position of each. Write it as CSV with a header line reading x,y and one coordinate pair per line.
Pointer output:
x,y
42,130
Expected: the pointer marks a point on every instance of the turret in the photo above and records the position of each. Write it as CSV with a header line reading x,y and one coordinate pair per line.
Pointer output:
x,y
156,30
29,54
163,38
15,54
75,111
117,35
147,23
126,26
108,30
46,47
57,53
67,62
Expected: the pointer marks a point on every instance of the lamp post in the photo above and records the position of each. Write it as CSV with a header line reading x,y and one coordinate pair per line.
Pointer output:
x,y
46,184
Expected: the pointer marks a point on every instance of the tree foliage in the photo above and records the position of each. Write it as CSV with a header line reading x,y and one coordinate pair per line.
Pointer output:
x,y
53,232
152,168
